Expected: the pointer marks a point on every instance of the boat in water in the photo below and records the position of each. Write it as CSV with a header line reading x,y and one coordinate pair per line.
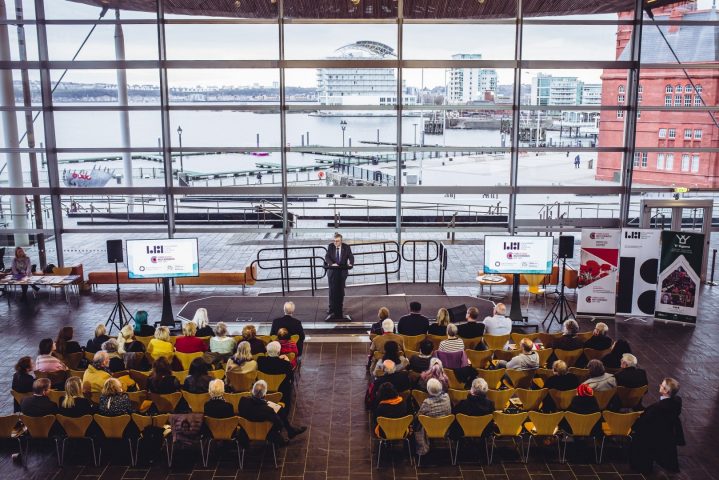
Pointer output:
x,y
97,177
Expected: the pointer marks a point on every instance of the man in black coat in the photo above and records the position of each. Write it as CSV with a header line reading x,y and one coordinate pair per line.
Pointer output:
x,y
472,328
415,323
630,376
257,409
338,261
293,325
400,380
272,364
39,404
658,431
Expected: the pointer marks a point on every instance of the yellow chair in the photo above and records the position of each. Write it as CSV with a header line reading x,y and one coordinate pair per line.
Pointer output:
x,y
9,428
19,397
547,339
222,430
140,378
75,429
531,399
55,396
76,373
562,398
585,336
570,357
435,428
631,397
137,398
534,287
234,399
181,376
603,397
479,358
520,378
152,357
581,426
541,375
509,425
72,360
411,342
56,378
470,343
410,353
544,355
256,432
505,355
394,429
496,342
500,397
517,337
89,356
436,340
492,377
453,381
39,429
113,429
144,421
456,396
173,339
165,403
591,353
265,338
617,425
581,373
186,359
196,401
144,340
472,427
543,425
217,374
273,381
419,396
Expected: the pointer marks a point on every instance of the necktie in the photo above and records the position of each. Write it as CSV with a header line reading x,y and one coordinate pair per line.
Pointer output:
x,y
338,256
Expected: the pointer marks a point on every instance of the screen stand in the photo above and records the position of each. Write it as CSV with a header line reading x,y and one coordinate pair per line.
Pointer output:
x,y
516,312
168,319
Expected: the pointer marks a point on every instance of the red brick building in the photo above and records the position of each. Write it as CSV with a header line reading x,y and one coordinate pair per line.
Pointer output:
x,y
685,131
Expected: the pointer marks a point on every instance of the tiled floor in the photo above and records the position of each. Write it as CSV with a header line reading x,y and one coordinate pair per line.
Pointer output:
x,y
338,443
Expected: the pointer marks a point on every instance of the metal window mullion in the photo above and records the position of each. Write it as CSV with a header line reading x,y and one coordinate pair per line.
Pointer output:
x,y
165,119
516,102
283,124
49,129
400,103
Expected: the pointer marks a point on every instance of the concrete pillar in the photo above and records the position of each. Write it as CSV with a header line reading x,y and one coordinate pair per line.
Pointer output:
x,y
122,101
10,134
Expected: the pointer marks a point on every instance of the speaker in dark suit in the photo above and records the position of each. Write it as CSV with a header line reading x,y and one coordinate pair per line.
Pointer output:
x,y
338,261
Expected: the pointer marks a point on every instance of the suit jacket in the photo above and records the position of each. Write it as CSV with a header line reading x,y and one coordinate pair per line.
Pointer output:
x,y
38,406
568,381
400,380
379,341
413,324
292,325
346,256
599,342
567,342
631,377
470,330
658,431
275,366
475,405
257,410
217,408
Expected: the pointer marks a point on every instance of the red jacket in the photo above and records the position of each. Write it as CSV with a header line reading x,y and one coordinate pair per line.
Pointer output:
x,y
190,345
288,346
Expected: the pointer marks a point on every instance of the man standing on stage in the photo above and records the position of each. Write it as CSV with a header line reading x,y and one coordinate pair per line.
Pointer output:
x,y
339,260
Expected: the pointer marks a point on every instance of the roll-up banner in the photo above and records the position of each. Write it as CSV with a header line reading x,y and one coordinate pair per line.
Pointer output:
x,y
680,266
638,269
598,272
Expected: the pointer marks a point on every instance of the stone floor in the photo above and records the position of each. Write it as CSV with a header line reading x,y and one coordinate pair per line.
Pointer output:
x,y
338,443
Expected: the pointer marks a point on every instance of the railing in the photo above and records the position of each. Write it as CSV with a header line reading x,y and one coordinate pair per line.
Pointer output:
x,y
426,260
442,265
393,254
289,259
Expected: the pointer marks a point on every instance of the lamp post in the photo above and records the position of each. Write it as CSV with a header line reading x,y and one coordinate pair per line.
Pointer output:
x,y
414,154
179,134
343,126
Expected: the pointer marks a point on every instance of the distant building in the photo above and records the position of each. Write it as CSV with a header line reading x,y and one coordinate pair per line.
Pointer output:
x,y
360,86
550,90
470,84
666,87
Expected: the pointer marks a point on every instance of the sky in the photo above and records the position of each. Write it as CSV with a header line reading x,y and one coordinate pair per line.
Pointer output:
x,y
260,42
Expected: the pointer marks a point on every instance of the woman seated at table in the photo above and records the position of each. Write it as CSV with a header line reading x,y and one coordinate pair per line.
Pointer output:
x,y
242,361
216,406
161,380
21,267
95,343
439,327
160,345
113,401
74,404
188,342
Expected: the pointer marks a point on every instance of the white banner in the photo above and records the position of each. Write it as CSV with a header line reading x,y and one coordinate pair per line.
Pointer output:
x,y
638,269
599,259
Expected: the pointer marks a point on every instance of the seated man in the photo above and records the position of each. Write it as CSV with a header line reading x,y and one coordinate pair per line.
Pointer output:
x,y
400,380
387,335
569,339
97,372
274,364
257,409
630,376
293,325
599,339
527,360
39,404
415,323
472,328
498,323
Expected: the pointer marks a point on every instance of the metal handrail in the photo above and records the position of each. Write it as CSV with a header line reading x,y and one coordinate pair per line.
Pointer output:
x,y
427,260
442,265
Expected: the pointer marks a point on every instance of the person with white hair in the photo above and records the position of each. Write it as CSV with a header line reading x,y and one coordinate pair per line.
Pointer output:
x,y
216,406
256,408
387,336
274,364
398,378
569,339
117,364
203,323
599,340
475,405
292,324
630,375
453,343
498,323
222,343
97,372
437,404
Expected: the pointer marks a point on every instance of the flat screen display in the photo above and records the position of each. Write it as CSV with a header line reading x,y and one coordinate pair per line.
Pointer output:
x,y
512,254
163,258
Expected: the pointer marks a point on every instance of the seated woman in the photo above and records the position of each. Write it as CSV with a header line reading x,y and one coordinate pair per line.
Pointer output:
x,y
569,340
435,371
95,343
198,381
391,352
242,361
614,358
74,404
475,405
600,340
287,346
584,402
598,379
420,362
216,406
161,379
142,329
65,345
22,379
189,342
126,342
203,323
117,364
453,343
436,405
113,401
249,335
221,344
439,327
160,345
46,362
382,315
389,405
97,373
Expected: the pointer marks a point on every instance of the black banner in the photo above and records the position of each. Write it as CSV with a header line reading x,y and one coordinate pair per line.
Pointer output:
x,y
679,279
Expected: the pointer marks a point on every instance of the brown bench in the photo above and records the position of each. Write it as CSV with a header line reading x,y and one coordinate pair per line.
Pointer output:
x,y
221,277
108,278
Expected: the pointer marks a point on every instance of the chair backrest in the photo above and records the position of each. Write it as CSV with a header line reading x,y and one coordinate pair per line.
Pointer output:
x,y
492,377
161,420
140,378
508,424
436,427
196,401
619,424
222,428
419,396
151,357
273,381
412,341
142,421
479,358
470,343
570,357
456,396
453,359
500,397
7,425
74,427
581,373
505,355
410,353
56,378
62,271
630,397
265,339
112,427
520,378
592,353
76,373
517,337
234,399
582,425
496,342
603,397
534,280
165,403
562,398
19,397
453,381
38,427
473,426
55,396
395,428
544,423
436,340
544,355
256,431
72,360
136,398
547,339
186,359
217,374
144,340
181,376
531,399
584,336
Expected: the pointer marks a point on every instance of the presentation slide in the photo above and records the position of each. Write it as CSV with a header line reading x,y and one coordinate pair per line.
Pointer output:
x,y
163,258
506,254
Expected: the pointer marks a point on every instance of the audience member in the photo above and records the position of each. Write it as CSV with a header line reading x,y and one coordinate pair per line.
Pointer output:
x,y
39,405
569,339
95,343
437,404
439,327
126,342
472,328
598,379
74,404
97,373
436,371
160,345
528,359
387,336
216,406
189,342
22,379
614,358
400,380
658,431
630,376
161,379
221,343
476,403
420,362
46,362
274,364
257,409
293,325
113,401
242,361
584,402
413,323
117,364
198,380
391,352
561,380
599,339
453,343
382,315
498,323
65,345
202,324
142,329
389,405
287,346
249,335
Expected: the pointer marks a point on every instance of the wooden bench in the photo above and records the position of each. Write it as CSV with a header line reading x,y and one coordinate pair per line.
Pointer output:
x,y
108,278
221,277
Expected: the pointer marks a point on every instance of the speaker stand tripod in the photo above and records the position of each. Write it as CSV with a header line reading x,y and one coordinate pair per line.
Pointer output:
x,y
120,315
561,310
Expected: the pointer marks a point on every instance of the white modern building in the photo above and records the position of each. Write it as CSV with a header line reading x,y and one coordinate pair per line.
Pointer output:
x,y
550,90
360,86
470,84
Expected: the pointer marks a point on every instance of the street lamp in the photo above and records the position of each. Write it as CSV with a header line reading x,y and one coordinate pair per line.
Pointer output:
x,y
179,134
343,126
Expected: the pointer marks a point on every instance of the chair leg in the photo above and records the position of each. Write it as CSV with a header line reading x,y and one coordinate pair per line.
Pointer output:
x,y
379,453
601,450
456,452
57,451
242,458
529,445
594,442
205,455
274,454
409,451
94,458
132,456
491,452
239,457
451,457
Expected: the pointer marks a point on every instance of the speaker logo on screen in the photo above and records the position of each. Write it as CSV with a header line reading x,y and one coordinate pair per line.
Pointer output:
x,y
509,255
157,249
633,235
588,299
153,259
511,245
